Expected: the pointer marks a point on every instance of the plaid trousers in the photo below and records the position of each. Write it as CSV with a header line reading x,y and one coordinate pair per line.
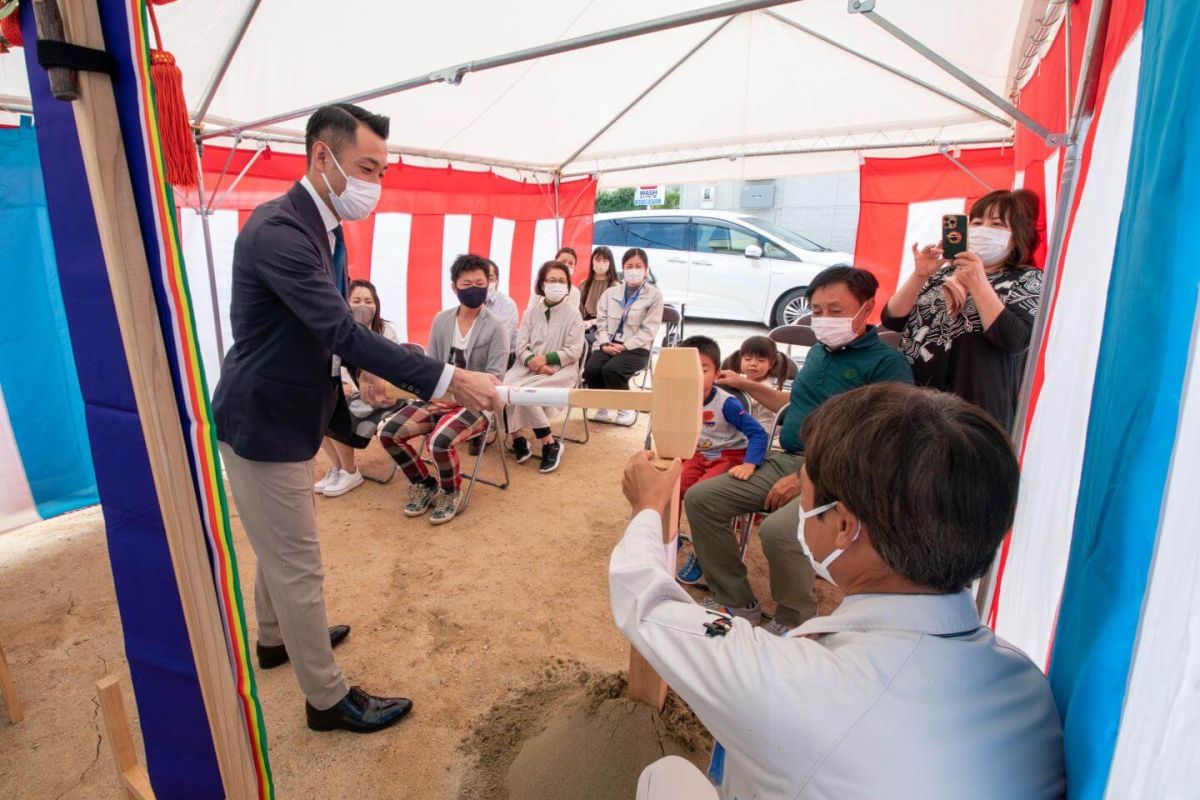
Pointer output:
x,y
448,427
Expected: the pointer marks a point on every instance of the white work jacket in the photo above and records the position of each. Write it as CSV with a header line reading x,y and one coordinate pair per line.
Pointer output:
x,y
891,696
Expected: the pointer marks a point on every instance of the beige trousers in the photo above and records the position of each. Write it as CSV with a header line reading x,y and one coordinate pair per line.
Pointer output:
x,y
278,511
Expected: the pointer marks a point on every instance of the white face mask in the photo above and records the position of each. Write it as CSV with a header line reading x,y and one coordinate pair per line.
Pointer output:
x,y
491,292
601,267
357,200
820,567
990,244
555,291
634,277
835,332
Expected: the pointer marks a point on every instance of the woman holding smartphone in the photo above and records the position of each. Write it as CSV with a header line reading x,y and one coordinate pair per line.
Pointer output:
x,y
967,322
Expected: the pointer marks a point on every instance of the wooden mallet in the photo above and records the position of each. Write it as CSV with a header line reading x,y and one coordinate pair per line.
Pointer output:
x,y
674,403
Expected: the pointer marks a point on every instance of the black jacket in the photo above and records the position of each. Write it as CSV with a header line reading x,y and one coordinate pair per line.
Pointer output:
x,y
277,393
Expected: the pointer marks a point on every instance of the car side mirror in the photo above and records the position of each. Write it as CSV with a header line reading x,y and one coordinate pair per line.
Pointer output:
x,y
753,251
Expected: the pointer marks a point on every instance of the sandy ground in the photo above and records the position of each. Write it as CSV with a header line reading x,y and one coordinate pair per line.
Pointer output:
x,y
457,618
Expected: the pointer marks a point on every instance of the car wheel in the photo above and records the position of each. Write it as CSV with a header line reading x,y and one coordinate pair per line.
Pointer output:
x,y
790,308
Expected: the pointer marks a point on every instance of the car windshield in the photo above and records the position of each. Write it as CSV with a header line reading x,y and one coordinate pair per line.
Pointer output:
x,y
790,237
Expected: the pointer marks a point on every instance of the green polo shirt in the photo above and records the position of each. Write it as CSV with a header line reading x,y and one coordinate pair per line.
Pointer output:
x,y
828,372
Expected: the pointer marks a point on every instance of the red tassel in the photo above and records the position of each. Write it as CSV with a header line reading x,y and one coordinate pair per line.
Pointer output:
x,y
10,29
175,129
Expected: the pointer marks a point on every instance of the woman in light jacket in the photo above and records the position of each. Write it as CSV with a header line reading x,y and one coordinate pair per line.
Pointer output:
x,y
549,344
627,320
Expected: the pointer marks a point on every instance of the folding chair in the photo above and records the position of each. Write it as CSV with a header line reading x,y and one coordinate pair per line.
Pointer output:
x,y
562,434
672,321
891,339
743,526
493,427
383,481
793,335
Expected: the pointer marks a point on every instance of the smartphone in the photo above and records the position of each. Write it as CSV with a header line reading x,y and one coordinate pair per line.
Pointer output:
x,y
954,235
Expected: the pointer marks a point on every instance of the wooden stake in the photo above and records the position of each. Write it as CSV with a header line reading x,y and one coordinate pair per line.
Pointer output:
x,y
645,684
9,692
129,275
133,775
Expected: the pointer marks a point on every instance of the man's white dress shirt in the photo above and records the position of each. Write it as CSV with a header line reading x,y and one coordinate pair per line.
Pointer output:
x,y
891,696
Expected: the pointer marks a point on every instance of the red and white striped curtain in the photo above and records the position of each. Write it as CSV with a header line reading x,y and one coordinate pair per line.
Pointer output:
x,y
426,216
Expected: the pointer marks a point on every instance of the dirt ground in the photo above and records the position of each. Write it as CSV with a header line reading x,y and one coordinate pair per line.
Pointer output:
x,y
508,599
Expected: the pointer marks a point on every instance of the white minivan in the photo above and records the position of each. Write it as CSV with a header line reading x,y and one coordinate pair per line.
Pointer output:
x,y
721,264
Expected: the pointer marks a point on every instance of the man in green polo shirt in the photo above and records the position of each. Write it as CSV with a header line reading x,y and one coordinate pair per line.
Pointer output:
x,y
849,354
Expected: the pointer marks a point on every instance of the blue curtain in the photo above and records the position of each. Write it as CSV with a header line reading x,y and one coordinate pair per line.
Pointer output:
x,y
37,367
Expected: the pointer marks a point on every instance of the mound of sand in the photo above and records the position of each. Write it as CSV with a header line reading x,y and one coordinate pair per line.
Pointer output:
x,y
572,734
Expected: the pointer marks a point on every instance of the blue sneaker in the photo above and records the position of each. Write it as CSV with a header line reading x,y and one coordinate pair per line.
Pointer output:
x,y
690,573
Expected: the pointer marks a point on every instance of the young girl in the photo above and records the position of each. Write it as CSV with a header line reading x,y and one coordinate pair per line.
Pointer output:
x,y
760,360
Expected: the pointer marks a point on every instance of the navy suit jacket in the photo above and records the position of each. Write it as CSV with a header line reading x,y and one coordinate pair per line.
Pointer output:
x,y
277,393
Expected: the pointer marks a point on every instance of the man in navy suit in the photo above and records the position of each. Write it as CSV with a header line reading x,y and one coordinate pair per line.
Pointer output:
x,y
280,386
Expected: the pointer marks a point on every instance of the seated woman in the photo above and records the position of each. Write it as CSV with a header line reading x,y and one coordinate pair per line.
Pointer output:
x,y
967,323
627,320
900,692
601,276
549,344
469,337
343,475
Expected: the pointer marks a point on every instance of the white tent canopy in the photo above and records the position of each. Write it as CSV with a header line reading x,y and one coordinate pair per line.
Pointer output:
x,y
765,92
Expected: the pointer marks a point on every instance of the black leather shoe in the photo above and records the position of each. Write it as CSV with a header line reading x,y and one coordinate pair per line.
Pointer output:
x,y
273,656
359,712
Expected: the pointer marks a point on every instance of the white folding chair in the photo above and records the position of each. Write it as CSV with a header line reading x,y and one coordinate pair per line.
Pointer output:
x,y
562,433
493,427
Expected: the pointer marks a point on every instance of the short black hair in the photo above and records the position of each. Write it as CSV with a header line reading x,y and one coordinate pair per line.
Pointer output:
x,y
862,284
337,126
493,267
937,508
540,284
467,262
565,249
708,348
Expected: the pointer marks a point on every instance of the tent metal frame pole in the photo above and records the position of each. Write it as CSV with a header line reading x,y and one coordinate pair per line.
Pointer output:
x,y
231,50
453,75
899,73
225,169
215,203
557,214
848,148
203,211
654,85
1081,119
867,9
945,151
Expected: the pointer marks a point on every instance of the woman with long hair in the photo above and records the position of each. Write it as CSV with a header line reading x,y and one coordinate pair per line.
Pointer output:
x,y
601,276
343,475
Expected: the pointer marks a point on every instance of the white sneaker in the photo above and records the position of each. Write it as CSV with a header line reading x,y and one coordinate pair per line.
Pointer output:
x,y
602,416
344,482
330,478
626,417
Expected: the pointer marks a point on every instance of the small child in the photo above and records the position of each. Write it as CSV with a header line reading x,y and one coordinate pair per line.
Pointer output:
x,y
760,361
730,439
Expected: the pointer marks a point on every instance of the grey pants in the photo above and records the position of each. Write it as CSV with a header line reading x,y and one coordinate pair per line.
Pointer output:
x,y
711,507
278,511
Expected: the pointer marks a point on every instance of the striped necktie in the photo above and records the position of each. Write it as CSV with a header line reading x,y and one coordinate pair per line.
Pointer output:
x,y
339,259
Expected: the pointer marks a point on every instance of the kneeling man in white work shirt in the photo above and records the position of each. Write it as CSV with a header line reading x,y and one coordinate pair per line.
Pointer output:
x,y
901,692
